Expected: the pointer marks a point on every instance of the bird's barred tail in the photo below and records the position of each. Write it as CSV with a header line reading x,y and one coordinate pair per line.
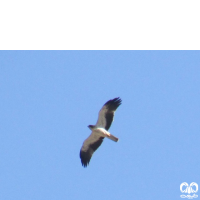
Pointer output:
x,y
113,138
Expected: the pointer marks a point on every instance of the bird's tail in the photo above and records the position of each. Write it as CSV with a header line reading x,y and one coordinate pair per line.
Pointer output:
x,y
113,138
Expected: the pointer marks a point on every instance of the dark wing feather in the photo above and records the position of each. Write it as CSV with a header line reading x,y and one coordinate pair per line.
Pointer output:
x,y
88,149
106,114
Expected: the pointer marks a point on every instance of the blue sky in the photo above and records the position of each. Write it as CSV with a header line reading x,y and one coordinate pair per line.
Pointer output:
x,y
48,98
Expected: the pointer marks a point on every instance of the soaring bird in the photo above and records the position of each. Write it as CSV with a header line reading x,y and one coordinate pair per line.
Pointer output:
x,y
100,130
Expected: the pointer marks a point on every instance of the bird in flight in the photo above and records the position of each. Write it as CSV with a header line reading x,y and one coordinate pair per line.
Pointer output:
x,y
100,130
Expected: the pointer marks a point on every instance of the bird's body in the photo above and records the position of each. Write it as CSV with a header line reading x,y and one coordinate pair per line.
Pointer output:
x,y
99,131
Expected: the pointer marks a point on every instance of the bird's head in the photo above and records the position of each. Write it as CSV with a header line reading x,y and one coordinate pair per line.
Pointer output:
x,y
91,127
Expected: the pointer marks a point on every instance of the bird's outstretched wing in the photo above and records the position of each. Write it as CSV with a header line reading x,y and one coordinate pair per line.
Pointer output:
x,y
106,114
90,145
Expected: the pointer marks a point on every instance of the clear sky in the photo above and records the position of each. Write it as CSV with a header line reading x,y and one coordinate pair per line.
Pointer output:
x,y
48,98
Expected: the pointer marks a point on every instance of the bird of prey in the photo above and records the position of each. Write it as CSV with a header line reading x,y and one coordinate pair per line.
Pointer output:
x,y
99,131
